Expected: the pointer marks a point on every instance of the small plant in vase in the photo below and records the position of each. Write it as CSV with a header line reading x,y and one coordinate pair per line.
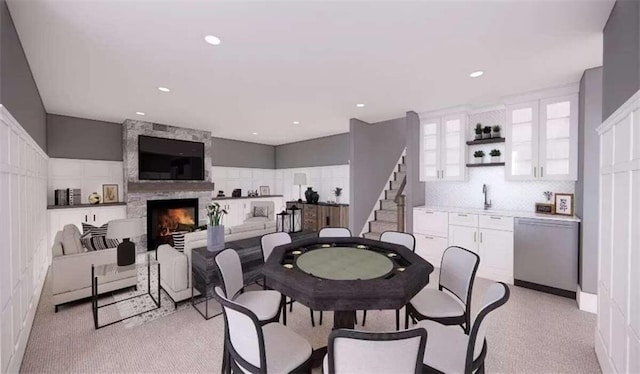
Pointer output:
x,y
496,131
478,131
486,132
495,155
215,228
338,192
478,156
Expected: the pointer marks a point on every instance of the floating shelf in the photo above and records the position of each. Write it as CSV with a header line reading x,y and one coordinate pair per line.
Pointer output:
x,y
485,164
486,141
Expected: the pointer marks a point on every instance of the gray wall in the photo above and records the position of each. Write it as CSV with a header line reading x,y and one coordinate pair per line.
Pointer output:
x,y
18,91
375,150
71,137
234,153
330,150
415,189
587,186
621,59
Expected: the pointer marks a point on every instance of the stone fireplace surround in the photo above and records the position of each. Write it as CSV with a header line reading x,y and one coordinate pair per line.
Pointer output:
x,y
137,192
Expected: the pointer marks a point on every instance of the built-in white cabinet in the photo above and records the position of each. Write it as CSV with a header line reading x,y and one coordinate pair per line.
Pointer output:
x,y
239,209
542,139
495,248
430,228
443,150
97,216
464,236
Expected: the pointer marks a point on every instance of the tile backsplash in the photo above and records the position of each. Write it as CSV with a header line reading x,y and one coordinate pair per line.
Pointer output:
x,y
504,195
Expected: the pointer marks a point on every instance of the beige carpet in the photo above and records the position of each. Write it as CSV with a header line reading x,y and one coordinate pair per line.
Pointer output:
x,y
533,333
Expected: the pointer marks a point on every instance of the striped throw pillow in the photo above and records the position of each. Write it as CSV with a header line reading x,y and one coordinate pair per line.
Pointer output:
x,y
98,242
178,240
94,230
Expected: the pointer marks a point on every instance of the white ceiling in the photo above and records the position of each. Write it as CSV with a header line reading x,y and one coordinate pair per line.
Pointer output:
x,y
304,61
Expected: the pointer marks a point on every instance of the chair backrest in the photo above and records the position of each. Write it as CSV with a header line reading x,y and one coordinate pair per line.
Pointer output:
x,y
458,272
401,238
495,297
369,352
230,270
243,335
270,241
334,232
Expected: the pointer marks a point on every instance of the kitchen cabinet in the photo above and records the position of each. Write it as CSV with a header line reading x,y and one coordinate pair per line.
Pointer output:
x,y
430,248
463,236
542,139
431,222
442,148
495,249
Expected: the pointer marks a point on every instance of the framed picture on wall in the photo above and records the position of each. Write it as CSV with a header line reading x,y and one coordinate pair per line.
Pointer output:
x,y
109,193
264,191
564,204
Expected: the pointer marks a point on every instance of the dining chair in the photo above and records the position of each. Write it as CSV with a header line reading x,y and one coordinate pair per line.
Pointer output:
x,y
400,238
268,242
452,351
265,304
253,347
334,232
351,351
450,304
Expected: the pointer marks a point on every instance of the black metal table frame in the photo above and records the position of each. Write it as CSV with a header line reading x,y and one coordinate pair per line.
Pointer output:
x,y
205,299
94,297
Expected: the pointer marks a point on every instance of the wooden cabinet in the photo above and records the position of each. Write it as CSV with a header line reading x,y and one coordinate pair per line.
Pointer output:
x,y
442,148
318,216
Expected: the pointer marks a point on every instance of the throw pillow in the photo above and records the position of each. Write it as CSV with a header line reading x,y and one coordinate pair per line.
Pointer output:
x,y
94,230
260,211
178,240
95,243
71,240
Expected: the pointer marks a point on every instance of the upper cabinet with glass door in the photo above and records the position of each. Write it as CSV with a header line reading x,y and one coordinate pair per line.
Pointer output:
x,y
542,139
443,149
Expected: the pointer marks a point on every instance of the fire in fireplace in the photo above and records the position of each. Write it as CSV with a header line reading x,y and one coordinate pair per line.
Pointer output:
x,y
165,217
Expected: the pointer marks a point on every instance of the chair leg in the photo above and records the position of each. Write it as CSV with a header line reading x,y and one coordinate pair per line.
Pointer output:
x,y
397,319
291,306
284,310
364,317
355,318
226,365
313,320
320,318
406,318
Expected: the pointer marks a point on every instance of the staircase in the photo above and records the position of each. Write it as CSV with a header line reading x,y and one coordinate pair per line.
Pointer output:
x,y
386,218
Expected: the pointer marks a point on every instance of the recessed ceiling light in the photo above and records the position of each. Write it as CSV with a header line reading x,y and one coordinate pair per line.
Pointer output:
x,y
140,113
476,74
360,105
164,89
255,133
296,122
213,40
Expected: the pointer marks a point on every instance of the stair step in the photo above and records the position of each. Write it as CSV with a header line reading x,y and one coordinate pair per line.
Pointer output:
x,y
402,167
382,226
400,175
390,194
388,205
395,184
372,235
386,215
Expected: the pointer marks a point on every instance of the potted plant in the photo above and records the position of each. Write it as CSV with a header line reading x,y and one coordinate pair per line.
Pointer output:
x,y
496,131
215,228
478,131
338,192
495,155
478,155
486,132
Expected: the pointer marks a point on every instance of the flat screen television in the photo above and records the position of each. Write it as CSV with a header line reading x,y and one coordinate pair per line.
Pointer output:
x,y
170,159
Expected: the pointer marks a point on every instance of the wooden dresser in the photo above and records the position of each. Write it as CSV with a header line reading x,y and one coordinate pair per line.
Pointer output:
x,y
318,216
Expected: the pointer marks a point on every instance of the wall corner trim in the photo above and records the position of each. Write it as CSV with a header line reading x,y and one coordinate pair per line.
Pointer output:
x,y
630,105
587,302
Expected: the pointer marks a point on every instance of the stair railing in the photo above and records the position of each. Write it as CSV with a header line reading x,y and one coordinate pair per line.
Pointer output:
x,y
400,202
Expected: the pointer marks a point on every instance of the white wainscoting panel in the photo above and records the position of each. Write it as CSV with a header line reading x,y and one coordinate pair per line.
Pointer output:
x,y
88,175
618,328
24,253
229,178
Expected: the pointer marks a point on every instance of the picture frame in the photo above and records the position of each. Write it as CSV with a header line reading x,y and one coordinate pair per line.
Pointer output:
x,y
265,191
563,204
109,193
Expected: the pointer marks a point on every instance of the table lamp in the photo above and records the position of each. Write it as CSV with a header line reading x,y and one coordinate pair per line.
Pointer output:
x,y
125,229
299,179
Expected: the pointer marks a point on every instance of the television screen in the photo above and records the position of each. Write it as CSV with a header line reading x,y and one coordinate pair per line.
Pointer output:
x,y
170,159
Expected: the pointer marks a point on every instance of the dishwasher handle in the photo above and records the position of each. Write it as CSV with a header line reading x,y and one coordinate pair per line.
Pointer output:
x,y
544,222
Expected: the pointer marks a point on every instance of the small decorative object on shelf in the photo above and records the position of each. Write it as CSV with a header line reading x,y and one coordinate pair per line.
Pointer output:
x,y
478,157
311,196
110,193
215,229
478,131
495,155
338,192
496,131
94,198
548,195
265,191
252,193
236,192
486,132
544,208
564,204
220,193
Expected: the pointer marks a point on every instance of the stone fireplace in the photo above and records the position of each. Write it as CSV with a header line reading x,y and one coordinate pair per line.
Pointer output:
x,y
166,217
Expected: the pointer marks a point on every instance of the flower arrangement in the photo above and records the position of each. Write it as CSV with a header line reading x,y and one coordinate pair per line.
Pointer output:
x,y
337,191
215,213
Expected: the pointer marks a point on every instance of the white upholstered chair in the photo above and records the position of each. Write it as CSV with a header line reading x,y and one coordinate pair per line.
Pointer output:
x,y
400,238
450,304
265,304
451,350
351,351
253,347
334,232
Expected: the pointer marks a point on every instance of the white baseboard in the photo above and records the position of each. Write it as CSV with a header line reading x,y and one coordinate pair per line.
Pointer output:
x,y
587,301
606,365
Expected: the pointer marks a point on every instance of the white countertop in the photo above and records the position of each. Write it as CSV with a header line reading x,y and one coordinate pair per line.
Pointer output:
x,y
496,212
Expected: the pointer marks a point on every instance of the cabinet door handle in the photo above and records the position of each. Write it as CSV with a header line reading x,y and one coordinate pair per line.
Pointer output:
x,y
481,237
494,217
429,237
461,215
427,212
85,218
475,234
541,171
94,218
534,172
442,174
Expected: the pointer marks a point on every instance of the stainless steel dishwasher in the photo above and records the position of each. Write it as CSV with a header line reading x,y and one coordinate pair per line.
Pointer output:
x,y
546,255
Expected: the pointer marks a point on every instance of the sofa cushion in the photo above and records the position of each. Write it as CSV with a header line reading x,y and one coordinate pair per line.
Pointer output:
x,y
270,224
178,240
71,240
94,230
247,226
98,242
261,211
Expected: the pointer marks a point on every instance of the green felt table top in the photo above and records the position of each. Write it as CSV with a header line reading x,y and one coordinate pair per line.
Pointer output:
x,y
344,263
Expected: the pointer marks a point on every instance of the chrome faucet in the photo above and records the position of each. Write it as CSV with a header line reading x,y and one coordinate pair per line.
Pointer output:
x,y
487,205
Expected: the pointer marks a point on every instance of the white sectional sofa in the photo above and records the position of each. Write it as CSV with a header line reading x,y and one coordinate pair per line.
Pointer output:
x,y
71,272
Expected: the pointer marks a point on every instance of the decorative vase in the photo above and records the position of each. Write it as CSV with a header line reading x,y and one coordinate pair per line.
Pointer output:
x,y
315,197
338,199
478,136
486,135
94,198
496,134
495,159
215,238
478,160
